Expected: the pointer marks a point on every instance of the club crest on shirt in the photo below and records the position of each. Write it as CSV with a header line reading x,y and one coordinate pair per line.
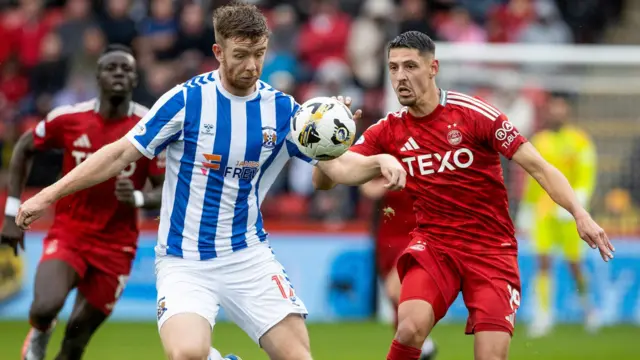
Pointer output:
x,y
161,307
269,137
454,137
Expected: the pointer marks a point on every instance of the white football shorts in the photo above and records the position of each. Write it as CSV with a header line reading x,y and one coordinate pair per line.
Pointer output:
x,y
250,284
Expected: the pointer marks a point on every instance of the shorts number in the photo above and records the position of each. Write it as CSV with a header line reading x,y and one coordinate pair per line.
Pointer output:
x,y
278,279
122,282
514,297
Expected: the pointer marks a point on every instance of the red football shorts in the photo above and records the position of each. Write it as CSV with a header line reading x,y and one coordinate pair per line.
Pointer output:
x,y
103,272
490,284
388,250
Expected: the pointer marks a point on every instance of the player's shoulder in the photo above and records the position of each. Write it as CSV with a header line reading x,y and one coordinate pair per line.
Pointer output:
x,y
269,92
198,81
138,110
72,111
473,106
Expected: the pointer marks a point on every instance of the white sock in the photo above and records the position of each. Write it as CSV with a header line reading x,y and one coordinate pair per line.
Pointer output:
x,y
428,346
214,355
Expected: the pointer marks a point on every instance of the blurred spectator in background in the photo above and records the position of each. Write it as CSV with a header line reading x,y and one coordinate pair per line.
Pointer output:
x,y
506,21
281,60
31,24
368,39
459,27
193,34
325,34
116,23
78,18
83,62
548,27
159,31
49,75
414,16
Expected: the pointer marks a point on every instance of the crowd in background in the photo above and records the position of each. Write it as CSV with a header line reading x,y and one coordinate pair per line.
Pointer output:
x,y
48,53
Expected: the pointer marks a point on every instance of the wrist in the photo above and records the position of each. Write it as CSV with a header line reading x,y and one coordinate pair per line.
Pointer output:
x,y
580,213
138,198
12,206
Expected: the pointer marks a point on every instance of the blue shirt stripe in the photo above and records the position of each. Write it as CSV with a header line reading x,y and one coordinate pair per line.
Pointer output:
x,y
252,154
181,199
163,116
215,180
283,121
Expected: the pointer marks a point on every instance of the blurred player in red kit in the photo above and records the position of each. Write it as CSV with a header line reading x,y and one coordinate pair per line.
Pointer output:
x,y
450,145
393,222
92,242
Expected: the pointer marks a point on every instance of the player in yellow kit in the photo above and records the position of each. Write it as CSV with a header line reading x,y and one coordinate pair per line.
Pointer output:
x,y
551,227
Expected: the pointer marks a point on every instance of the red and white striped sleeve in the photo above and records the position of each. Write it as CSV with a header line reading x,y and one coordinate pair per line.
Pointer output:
x,y
492,126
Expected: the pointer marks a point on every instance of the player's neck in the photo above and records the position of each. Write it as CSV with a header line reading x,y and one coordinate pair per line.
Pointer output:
x,y
114,108
429,103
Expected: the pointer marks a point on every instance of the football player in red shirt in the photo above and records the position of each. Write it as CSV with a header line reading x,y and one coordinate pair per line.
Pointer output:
x,y
450,144
391,227
92,242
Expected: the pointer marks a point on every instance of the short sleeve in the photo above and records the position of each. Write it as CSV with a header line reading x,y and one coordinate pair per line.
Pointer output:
x,y
370,142
158,165
162,125
49,133
500,134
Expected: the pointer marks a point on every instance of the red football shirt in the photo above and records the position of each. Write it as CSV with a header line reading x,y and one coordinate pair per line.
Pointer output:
x,y
397,218
452,158
94,215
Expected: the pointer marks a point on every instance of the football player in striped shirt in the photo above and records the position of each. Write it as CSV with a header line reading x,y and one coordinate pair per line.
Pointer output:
x,y
226,136
450,144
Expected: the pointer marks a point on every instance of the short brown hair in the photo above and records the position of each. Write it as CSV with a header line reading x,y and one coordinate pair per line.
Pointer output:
x,y
239,20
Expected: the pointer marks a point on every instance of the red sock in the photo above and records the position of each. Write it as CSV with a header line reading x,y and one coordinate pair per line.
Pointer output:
x,y
403,352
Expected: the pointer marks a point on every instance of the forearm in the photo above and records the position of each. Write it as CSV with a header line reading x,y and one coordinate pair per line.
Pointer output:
x,y
104,164
20,165
349,169
321,181
558,188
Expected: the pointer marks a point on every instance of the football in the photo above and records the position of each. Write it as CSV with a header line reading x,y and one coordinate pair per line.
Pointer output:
x,y
323,128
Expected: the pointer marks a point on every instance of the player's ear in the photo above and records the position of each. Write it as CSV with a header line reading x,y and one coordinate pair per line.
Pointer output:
x,y
217,52
434,68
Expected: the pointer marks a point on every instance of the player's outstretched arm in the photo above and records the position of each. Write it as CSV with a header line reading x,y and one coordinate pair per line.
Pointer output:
x,y
104,164
354,169
19,169
559,189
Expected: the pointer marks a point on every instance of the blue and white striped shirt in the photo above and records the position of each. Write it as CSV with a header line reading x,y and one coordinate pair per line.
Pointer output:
x,y
223,154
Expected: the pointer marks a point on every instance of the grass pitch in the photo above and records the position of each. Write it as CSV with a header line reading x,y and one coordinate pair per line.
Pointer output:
x,y
344,341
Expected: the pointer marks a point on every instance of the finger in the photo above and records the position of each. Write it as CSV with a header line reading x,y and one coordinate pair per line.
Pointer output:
x,y
334,98
603,244
357,115
347,101
341,99
402,182
608,242
588,240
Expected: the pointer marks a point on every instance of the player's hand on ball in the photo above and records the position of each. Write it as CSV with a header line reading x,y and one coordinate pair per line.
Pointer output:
x,y
594,235
12,235
124,191
346,100
393,171
33,209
